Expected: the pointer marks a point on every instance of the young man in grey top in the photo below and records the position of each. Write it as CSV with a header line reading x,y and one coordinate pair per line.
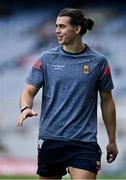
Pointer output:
x,y
71,76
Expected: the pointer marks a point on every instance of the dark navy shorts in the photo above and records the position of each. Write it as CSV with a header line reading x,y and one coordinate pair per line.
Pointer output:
x,y
55,156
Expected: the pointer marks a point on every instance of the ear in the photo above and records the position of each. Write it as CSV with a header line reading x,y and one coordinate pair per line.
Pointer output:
x,y
78,29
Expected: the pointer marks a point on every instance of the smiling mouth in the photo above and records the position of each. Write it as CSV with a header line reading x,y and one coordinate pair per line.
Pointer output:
x,y
59,37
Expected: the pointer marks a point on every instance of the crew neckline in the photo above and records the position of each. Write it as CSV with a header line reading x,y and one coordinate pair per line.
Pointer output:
x,y
77,53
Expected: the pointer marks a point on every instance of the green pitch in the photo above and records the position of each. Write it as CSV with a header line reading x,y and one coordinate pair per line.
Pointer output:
x,y
64,178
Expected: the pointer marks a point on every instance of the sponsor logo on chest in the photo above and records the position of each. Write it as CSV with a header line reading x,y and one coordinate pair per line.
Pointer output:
x,y
58,67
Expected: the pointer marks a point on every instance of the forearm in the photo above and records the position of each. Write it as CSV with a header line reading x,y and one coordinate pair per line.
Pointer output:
x,y
27,96
26,99
109,117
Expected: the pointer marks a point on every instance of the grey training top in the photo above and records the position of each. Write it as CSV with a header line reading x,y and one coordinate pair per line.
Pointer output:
x,y
70,87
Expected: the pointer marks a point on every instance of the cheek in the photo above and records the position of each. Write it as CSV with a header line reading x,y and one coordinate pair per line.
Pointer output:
x,y
70,36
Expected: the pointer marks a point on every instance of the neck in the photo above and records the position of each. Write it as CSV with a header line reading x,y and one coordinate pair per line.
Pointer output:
x,y
74,48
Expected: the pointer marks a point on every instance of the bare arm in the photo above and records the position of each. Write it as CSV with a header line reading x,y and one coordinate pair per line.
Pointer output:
x,y
109,117
26,99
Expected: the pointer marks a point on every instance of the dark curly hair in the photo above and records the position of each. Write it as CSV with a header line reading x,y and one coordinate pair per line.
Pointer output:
x,y
78,18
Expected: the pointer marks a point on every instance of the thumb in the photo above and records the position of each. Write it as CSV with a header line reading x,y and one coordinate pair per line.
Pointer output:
x,y
34,113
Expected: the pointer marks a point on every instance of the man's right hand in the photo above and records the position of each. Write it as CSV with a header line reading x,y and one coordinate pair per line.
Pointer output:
x,y
25,114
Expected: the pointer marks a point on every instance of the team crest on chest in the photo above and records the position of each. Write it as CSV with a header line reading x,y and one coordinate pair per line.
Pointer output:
x,y
86,69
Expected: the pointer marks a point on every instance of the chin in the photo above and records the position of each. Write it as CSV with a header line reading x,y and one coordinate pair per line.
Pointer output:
x,y
61,43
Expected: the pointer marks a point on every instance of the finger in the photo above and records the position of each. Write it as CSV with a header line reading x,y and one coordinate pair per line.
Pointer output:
x,y
20,121
111,157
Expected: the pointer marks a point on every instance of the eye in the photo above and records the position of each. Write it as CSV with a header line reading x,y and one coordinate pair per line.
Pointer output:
x,y
62,26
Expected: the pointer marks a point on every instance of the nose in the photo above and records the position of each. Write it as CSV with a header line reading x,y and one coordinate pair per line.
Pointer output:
x,y
57,31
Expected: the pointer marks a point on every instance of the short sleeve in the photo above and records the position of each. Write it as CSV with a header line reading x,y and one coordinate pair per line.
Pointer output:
x,y
105,82
35,76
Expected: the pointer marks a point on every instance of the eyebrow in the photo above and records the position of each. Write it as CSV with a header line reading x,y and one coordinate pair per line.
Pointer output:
x,y
60,25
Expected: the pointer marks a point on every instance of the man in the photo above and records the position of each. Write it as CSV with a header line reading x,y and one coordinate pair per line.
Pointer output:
x,y
71,76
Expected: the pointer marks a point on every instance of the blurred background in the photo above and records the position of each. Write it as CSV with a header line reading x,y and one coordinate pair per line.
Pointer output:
x,y
26,30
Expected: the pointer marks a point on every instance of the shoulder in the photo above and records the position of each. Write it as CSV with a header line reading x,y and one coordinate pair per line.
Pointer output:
x,y
99,57
49,54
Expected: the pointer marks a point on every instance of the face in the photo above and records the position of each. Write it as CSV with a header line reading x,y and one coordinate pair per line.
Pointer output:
x,y
66,33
